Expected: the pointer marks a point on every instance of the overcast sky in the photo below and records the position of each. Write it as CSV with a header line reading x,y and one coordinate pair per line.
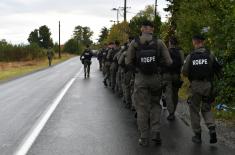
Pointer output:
x,y
20,17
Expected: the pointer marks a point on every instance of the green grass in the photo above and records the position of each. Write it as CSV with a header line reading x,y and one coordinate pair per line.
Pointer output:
x,y
184,90
28,67
220,115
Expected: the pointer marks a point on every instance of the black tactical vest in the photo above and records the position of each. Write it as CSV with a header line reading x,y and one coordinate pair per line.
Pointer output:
x,y
147,57
175,67
104,54
200,66
87,55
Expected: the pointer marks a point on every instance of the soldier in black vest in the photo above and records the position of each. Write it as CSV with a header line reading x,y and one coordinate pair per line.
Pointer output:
x,y
171,78
145,55
86,61
199,67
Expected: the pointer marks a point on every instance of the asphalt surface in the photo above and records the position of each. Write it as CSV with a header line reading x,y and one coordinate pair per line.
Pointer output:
x,y
90,119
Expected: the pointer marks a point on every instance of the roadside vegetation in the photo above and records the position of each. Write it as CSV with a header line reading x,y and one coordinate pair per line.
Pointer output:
x,y
213,18
18,60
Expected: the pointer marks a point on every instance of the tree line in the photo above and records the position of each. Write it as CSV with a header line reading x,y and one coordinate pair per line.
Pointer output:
x,y
215,19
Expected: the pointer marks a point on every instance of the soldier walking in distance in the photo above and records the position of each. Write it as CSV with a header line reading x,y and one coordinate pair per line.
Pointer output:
x,y
49,55
171,78
200,67
145,55
86,61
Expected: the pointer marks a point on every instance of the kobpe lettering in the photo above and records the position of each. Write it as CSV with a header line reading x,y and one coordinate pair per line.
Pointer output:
x,y
200,62
148,59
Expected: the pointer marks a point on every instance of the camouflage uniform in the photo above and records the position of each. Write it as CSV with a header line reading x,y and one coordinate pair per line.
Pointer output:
x,y
147,89
172,83
201,91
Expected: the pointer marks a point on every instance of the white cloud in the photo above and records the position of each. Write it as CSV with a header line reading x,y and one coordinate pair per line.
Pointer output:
x,y
20,17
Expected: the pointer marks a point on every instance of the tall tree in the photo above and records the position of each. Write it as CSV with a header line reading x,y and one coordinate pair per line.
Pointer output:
x,y
41,37
34,37
83,35
104,34
119,32
147,14
45,37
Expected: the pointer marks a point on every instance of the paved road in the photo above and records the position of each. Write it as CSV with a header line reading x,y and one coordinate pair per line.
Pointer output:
x,y
89,120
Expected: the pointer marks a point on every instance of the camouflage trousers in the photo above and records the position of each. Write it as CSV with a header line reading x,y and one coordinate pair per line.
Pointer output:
x,y
198,103
126,86
171,90
119,77
147,93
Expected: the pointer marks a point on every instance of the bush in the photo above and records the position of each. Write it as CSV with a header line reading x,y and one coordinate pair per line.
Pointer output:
x,y
9,52
72,46
226,86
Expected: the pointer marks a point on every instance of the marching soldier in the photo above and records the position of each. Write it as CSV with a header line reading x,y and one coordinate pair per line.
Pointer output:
x,y
200,67
145,55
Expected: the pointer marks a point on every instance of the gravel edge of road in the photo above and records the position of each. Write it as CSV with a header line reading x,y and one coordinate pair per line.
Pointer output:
x,y
225,131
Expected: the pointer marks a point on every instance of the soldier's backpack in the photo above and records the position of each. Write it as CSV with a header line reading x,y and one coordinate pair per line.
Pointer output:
x,y
175,67
200,67
147,57
87,54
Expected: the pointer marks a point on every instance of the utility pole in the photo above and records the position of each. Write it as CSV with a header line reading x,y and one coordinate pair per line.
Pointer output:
x,y
125,7
117,9
59,41
155,11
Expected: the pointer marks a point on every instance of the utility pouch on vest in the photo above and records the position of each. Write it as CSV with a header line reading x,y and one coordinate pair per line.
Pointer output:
x,y
147,57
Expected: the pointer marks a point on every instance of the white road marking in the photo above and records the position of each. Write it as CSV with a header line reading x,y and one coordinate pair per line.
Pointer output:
x,y
39,125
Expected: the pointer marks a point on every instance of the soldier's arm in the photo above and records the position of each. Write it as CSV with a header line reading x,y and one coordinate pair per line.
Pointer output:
x,y
121,58
182,57
130,54
185,69
81,55
108,55
217,67
166,58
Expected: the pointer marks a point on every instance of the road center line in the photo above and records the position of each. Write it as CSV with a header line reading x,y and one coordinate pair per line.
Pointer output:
x,y
41,122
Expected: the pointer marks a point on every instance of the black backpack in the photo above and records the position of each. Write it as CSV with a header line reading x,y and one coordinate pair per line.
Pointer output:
x,y
87,54
175,67
147,57
200,67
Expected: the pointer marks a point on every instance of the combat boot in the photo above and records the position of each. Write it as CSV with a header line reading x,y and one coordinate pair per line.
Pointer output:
x,y
171,117
156,138
197,138
144,142
105,83
213,136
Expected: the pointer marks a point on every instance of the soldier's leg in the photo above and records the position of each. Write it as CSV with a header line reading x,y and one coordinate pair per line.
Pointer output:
x,y
88,69
194,108
175,97
169,97
103,68
209,120
155,109
141,97
113,79
85,66
120,76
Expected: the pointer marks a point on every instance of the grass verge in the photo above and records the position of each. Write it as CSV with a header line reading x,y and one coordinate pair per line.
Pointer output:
x,y
220,115
9,70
